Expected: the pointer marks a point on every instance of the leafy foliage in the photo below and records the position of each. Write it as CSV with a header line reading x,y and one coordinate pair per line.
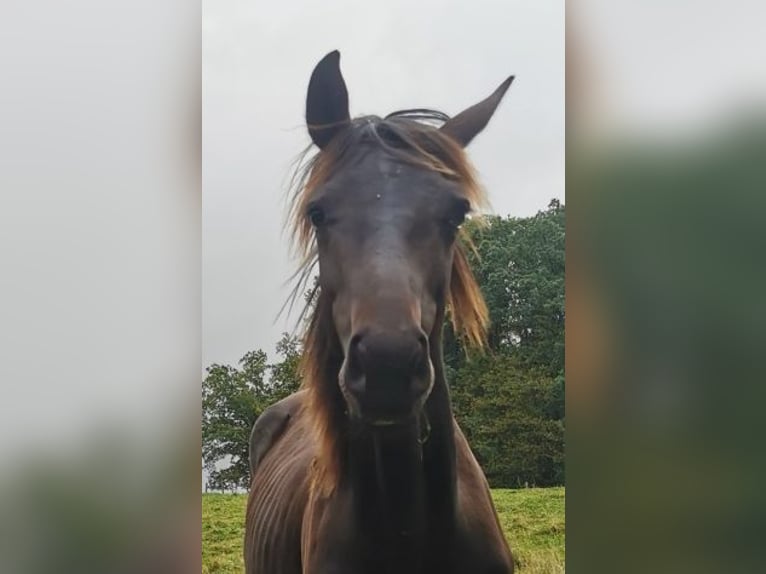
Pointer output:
x,y
232,400
510,402
509,415
519,264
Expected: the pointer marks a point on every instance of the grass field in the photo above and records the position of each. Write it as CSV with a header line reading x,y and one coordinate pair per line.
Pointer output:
x,y
533,521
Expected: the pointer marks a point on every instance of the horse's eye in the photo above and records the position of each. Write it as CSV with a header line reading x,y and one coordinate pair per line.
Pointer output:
x,y
316,215
456,220
458,215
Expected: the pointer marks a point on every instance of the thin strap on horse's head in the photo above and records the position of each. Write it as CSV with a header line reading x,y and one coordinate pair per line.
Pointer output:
x,y
425,429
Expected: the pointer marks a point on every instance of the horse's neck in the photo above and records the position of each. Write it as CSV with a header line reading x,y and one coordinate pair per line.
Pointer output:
x,y
388,481
439,460
404,485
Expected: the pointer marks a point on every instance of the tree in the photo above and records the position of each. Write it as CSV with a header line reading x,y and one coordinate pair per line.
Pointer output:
x,y
510,415
285,377
232,400
520,269
510,402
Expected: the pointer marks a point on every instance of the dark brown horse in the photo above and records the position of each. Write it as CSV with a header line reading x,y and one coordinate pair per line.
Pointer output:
x,y
365,470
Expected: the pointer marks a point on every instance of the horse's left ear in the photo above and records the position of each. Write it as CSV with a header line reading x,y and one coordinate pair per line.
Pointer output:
x,y
470,122
327,101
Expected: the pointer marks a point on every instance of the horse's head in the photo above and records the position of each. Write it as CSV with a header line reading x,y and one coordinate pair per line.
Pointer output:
x,y
387,200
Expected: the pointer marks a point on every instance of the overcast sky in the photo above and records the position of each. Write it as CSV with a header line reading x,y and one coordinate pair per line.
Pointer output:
x,y
257,59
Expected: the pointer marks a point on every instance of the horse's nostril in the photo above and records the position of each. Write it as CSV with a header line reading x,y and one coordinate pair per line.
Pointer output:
x,y
388,354
423,340
420,355
387,371
356,355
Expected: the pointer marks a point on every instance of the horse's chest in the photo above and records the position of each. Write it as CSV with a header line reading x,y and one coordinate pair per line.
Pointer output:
x,y
345,547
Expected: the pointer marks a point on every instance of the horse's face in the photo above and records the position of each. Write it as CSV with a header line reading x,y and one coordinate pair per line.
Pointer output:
x,y
385,233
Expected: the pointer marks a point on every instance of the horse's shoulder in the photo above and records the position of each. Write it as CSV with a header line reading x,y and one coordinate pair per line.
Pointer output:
x,y
478,524
469,471
271,425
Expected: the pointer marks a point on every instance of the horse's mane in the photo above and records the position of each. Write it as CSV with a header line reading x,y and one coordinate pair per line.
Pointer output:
x,y
411,136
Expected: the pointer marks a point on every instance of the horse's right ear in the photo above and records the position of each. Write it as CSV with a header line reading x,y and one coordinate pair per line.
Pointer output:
x,y
327,101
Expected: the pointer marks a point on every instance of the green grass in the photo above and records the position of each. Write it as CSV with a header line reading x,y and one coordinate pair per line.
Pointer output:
x,y
223,533
533,521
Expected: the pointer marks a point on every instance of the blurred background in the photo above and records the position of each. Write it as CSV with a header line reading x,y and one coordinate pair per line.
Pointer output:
x,y
100,232
666,174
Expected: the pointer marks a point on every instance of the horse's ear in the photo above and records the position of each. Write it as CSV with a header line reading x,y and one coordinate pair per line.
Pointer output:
x,y
327,101
468,124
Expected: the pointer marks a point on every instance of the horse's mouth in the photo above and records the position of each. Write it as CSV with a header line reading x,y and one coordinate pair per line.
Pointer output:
x,y
390,417
386,422
383,410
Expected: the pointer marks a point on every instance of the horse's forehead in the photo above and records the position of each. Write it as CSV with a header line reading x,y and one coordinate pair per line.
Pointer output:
x,y
376,173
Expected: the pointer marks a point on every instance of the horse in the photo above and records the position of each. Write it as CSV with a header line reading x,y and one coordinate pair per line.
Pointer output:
x,y
364,470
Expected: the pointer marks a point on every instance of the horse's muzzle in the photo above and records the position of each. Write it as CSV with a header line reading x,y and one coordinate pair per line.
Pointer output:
x,y
388,374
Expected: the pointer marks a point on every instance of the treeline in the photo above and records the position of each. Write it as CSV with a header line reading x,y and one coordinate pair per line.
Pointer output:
x,y
509,400
232,399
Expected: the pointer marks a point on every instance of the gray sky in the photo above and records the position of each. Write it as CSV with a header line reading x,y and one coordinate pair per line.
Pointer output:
x,y
257,59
